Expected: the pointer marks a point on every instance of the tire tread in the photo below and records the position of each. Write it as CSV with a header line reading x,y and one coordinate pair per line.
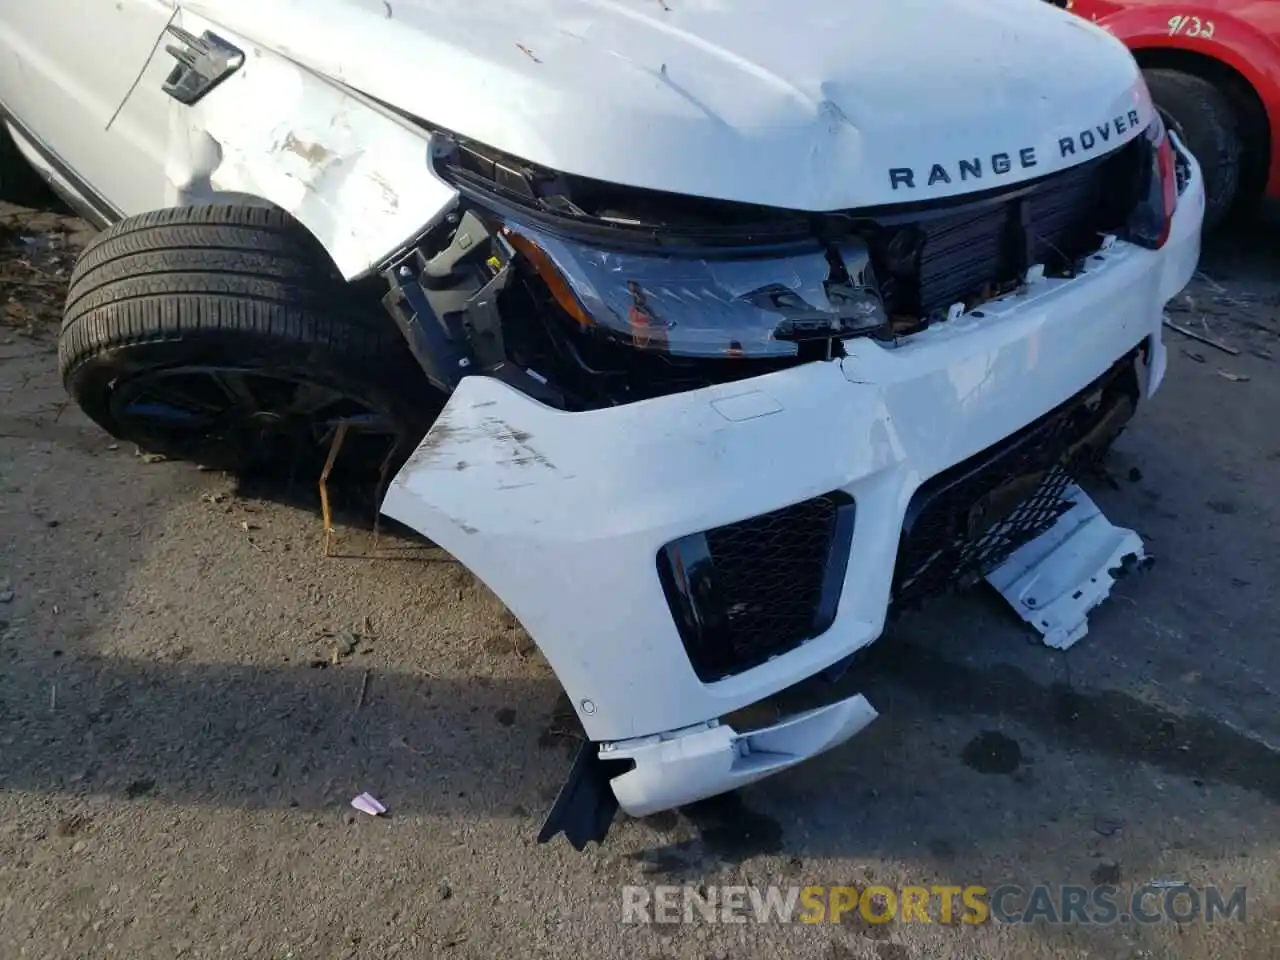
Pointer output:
x,y
229,286
192,272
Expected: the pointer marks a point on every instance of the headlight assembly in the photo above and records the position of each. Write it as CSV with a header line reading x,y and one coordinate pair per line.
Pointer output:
x,y
1152,218
685,276
739,306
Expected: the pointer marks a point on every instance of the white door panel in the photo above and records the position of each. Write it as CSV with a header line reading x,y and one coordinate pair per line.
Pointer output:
x,y
67,66
141,126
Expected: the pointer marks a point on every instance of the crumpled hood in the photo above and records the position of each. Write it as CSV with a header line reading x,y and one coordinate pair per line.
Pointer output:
x,y
810,105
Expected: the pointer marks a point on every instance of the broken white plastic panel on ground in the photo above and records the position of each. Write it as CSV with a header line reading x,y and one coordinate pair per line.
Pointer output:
x,y
684,766
1055,580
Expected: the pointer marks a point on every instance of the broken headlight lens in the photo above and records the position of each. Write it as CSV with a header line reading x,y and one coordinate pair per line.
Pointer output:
x,y
762,306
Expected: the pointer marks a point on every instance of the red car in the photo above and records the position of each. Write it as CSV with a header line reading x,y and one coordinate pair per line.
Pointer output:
x,y
1213,68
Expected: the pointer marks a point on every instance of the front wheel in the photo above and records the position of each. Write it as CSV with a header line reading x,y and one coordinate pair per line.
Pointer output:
x,y
223,335
1205,121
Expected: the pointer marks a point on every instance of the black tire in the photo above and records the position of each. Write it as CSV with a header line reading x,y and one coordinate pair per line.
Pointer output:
x,y
1205,120
237,320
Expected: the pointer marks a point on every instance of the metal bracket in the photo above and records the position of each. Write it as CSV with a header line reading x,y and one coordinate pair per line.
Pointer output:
x,y
441,351
1056,579
203,63
447,308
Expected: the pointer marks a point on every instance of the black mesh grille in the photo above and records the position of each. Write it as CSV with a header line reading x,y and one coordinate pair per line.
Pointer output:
x,y
978,249
965,522
943,552
765,585
770,572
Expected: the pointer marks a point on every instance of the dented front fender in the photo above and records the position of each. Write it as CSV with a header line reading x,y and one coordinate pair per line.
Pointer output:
x,y
355,175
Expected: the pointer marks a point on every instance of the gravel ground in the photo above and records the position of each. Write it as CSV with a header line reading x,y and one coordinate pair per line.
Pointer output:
x,y
190,694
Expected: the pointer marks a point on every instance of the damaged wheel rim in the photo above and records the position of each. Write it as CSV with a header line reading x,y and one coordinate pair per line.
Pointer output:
x,y
233,417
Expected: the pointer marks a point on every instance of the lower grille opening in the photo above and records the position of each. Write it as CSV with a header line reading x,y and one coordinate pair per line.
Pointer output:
x,y
965,522
749,591
746,592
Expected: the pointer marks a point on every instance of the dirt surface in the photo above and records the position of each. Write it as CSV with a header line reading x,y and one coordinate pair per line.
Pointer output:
x,y
191,694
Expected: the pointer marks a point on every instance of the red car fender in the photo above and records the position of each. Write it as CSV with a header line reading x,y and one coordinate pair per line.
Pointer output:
x,y
1233,41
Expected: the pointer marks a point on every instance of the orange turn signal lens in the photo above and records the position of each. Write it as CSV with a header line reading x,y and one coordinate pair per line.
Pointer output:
x,y
550,274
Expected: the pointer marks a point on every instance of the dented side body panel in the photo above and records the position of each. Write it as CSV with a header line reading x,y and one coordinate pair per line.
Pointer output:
x,y
353,173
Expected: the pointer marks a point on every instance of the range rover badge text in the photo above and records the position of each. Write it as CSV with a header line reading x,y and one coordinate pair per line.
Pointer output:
x,y
1000,164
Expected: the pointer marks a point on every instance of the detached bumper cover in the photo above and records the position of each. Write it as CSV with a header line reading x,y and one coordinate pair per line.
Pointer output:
x,y
564,515
680,767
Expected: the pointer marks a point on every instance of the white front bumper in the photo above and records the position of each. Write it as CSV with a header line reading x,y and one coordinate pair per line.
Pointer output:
x,y
562,515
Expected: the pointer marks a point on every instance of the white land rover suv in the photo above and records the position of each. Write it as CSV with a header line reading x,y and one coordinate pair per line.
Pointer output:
x,y
704,333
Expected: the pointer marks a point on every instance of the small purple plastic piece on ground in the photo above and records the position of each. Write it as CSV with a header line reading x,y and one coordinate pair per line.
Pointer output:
x,y
367,803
